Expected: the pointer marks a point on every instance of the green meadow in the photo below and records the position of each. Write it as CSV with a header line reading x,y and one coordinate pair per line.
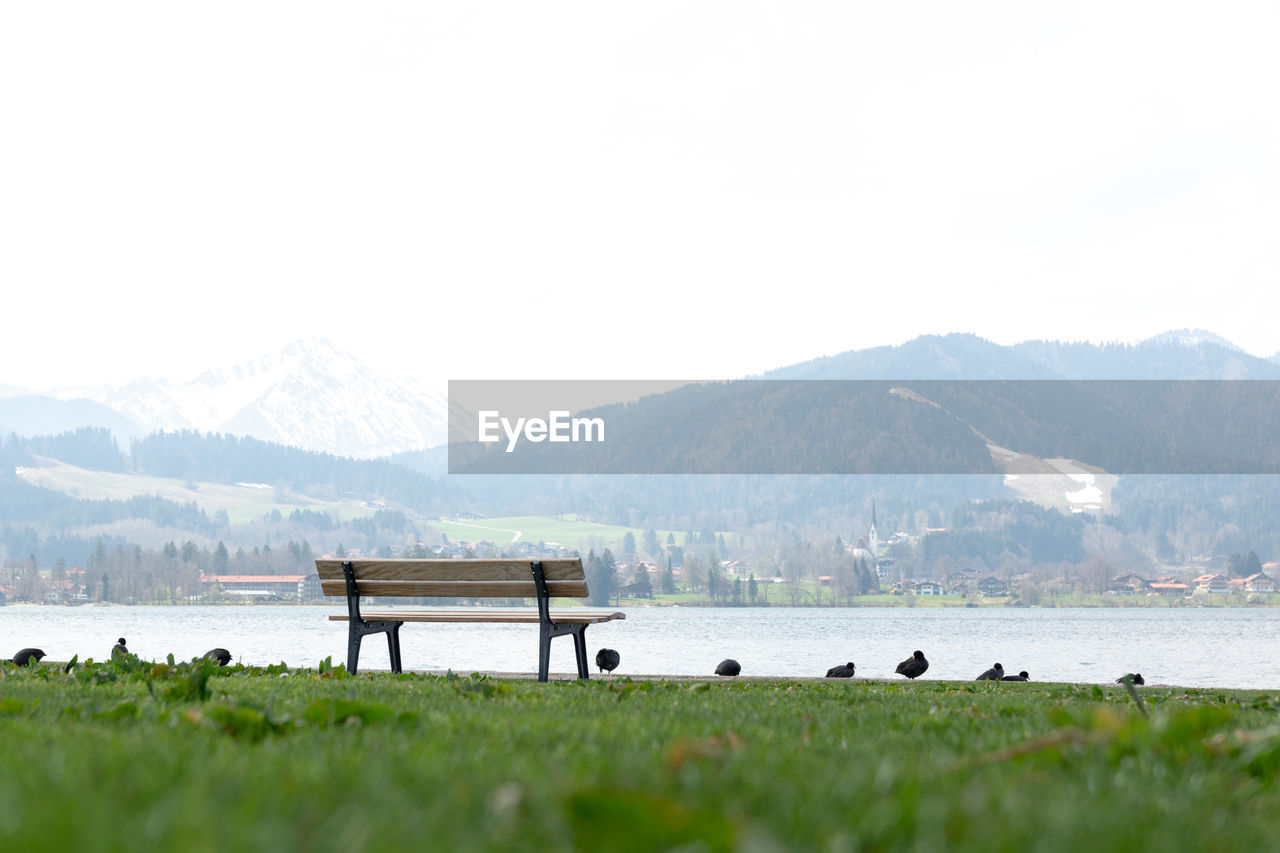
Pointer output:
x,y
242,503
132,755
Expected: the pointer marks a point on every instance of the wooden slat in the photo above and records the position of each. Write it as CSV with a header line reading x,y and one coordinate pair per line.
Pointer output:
x,y
451,570
457,589
484,614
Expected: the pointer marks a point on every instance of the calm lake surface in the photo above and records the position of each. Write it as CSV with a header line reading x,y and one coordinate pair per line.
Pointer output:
x,y
1211,647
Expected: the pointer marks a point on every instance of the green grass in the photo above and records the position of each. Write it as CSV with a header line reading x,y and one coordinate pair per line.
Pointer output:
x,y
128,757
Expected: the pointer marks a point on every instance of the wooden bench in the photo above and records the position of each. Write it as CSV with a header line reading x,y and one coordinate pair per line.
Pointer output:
x,y
539,579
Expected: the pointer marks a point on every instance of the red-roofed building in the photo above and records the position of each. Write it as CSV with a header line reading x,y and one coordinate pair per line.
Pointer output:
x,y
1215,583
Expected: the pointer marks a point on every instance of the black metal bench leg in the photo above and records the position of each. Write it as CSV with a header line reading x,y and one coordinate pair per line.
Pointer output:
x,y
393,645
353,648
580,650
544,655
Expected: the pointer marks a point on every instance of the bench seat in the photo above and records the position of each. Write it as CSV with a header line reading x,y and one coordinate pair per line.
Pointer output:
x,y
487,614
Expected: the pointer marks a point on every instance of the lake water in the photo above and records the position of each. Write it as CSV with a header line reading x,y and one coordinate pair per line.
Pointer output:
x,y
1226,647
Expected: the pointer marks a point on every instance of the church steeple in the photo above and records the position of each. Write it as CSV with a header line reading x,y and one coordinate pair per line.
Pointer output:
x,y
872,539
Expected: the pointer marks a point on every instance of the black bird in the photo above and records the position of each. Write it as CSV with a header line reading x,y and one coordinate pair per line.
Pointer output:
x,y
1135,677
996,673
222,656
23,658
119,649
728,666
608,660
1022,676
845,671
914,666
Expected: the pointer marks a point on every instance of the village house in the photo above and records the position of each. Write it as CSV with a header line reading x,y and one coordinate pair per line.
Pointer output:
x,y
256,586
1214,582
992,586
927,588
310,589
1259,583
1126,584
1167,588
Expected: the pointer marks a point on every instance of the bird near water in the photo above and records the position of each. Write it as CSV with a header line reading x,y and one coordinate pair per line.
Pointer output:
x,y
728,666
996,673
1022,676
914,666
842,671
119,649
1135,677
221,655
23,657
608,660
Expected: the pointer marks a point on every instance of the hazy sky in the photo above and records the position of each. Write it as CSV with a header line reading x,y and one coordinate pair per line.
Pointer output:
x,y
588,190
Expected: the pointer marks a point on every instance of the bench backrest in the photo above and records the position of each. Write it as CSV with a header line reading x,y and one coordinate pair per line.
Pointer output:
x,y
454,578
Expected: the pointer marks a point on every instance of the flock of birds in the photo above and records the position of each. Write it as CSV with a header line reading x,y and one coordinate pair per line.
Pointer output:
x,y
120,650
608,660
913,667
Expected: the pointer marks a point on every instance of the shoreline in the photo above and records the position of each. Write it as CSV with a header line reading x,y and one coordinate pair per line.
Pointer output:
x,y
635,604
712,679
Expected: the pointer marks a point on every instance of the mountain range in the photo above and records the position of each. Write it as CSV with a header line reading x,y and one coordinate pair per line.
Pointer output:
x,y
314,396
310,395
1180,354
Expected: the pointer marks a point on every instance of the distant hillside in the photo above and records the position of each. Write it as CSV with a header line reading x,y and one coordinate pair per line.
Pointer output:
x,y
955,356
433,462
1184,354
188,455
1193,338
232,459
1167,356
32,415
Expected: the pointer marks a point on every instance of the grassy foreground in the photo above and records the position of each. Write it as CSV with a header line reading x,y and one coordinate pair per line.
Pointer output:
x,y
136,756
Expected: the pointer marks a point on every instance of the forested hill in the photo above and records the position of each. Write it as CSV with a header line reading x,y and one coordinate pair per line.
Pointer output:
x,y
233,459
189,455
1173,355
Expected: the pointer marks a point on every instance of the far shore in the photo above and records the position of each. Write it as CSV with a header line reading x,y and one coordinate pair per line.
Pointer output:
x,y
1094,602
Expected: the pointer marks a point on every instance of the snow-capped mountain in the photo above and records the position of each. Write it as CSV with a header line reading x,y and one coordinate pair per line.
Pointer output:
x,y
310,394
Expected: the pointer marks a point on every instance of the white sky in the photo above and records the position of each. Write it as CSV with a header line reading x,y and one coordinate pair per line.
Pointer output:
x,y
583,190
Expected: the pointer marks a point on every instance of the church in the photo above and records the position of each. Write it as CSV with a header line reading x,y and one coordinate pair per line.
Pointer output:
x,y
867,548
